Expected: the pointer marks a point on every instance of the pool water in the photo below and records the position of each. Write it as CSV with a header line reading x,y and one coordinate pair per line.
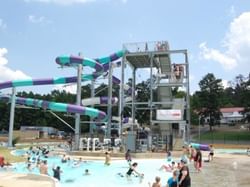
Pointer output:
x,y
102,175
19,152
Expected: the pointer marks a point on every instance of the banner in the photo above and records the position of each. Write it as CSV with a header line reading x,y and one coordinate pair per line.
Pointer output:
x,y
171,114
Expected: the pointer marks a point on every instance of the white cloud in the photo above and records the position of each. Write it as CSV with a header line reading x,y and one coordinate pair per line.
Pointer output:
x,y
70,88
236,43
7,74
225,60
2,24
35,19
3,60
38,19
225,84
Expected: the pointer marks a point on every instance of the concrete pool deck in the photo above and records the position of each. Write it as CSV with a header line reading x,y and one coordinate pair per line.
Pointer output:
x,y
9,179
226,170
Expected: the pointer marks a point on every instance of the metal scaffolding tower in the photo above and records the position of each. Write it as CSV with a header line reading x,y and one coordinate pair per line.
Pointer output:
x,y
165,75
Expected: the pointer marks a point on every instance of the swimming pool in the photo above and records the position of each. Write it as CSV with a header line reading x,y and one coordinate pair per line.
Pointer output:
x,y
101,175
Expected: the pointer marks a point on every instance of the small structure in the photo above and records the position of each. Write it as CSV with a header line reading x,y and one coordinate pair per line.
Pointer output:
x,y
43,131
232,114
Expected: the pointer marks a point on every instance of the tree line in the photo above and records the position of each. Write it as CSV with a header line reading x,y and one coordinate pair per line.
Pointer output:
x,y
206,103
212,96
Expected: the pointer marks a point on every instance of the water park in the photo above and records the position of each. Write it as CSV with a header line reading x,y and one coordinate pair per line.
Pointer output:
x,y
164,109
128,153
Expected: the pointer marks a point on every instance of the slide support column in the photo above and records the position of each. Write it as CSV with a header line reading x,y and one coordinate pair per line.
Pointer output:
x,y
78,102
110,88
12,115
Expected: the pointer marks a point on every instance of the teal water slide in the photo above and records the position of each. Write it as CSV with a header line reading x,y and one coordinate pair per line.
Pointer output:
x,y
70,61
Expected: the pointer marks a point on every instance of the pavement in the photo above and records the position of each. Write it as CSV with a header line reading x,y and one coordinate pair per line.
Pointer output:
x,y
226,170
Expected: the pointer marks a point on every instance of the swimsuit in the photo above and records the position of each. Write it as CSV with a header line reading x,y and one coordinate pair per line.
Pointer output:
x,y
130,171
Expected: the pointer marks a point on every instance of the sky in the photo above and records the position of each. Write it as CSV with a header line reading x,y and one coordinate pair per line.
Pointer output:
x,y
34,32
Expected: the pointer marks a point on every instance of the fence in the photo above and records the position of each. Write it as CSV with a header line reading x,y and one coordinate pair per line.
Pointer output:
x,y
224,138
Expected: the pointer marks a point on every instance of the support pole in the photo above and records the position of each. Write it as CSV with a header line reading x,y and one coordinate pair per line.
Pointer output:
x,y
121,95
91,131
133,98
151,88
199,129
12,115
110,88
78,102
187,98
58,117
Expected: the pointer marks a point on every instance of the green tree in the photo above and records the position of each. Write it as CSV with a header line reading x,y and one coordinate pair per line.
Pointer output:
x,y
143,95
209,95
194,109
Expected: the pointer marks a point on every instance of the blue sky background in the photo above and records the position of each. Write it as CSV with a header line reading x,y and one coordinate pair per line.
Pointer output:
x,y
34,32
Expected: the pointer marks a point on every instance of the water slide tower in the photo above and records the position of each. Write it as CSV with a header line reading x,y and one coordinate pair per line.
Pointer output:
x,y
169,112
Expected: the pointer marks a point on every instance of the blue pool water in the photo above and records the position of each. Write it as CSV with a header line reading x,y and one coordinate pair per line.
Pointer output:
x,y
101,175
19,152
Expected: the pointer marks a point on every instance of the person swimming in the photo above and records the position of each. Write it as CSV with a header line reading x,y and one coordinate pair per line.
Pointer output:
x,y
57,172
44,168
77,163
107,159
86,172
157,182
64,159
133,170
29,167
169,167
120,174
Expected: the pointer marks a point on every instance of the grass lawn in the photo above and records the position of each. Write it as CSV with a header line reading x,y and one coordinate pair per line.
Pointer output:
x,y
5,152
232,136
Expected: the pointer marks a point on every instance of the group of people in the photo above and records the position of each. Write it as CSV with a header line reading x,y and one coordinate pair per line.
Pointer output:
x,y
194,155
35,161
34,155
39,151
180,171
180,175
43,166
191,153
36,158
